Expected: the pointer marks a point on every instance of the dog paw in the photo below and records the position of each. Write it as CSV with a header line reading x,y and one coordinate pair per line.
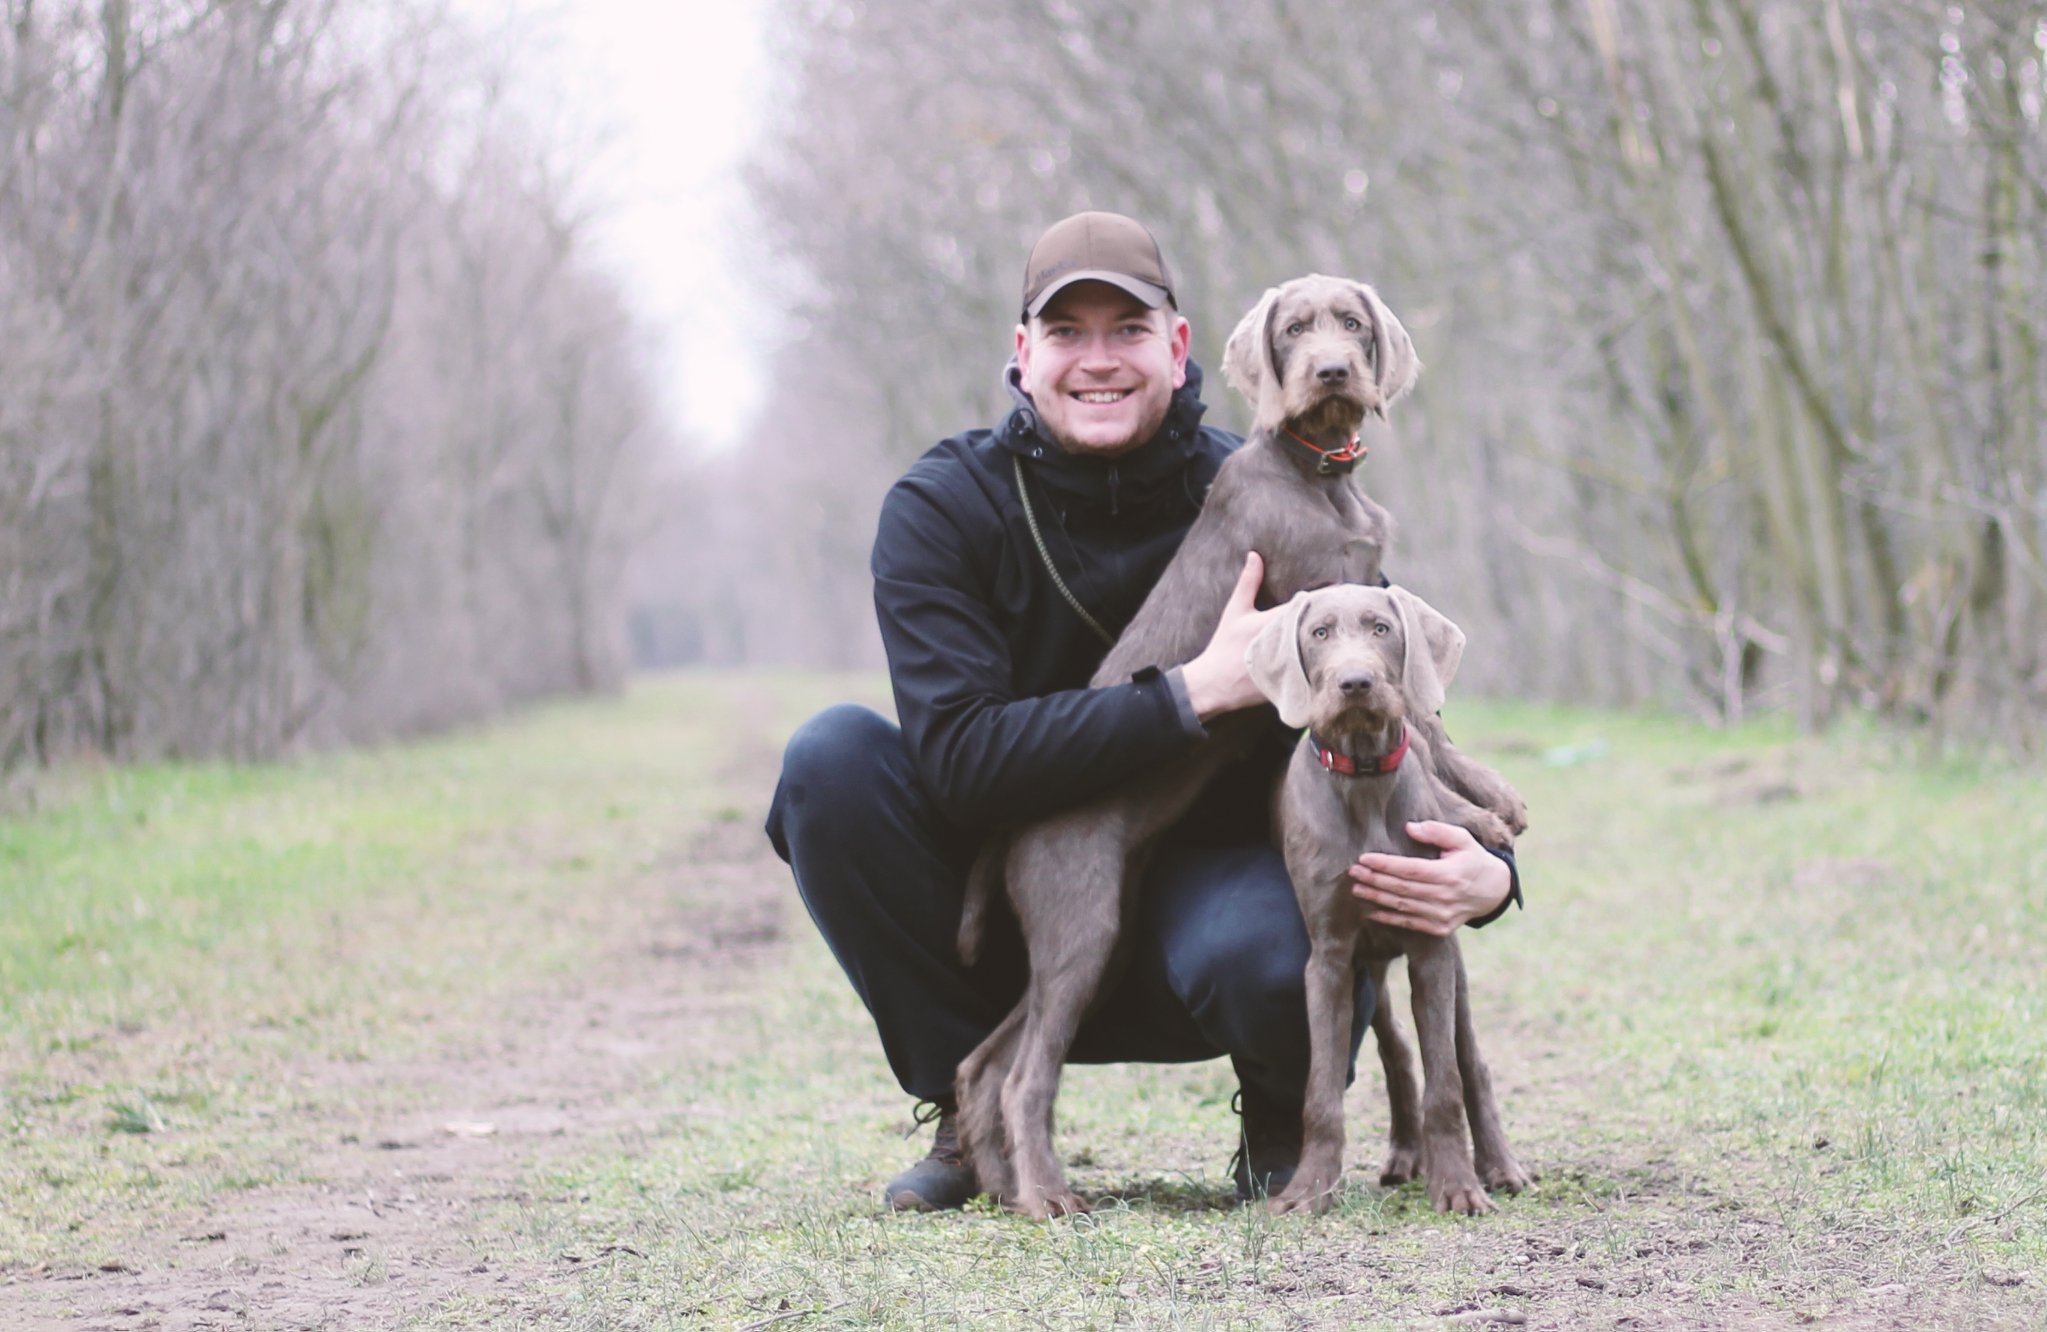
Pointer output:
x,y
1504,1176
1491,830
1046,1206
1465,1197
1314,1196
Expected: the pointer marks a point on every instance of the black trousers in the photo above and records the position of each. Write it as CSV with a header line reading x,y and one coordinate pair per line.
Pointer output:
x,y
1214,968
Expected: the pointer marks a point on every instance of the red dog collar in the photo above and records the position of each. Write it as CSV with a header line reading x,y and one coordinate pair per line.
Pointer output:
x,y
1346,766
1332,460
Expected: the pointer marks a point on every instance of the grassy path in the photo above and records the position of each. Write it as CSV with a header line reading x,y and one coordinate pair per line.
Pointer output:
x,y
523,1028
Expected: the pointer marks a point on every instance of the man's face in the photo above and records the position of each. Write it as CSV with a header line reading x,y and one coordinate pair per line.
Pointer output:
x,y
1101,367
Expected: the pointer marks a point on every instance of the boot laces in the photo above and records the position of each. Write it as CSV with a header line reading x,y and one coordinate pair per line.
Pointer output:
x,y
945,1143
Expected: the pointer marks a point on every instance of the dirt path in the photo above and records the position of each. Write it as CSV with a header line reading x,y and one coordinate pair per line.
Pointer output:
x,y
417,1172
392,1227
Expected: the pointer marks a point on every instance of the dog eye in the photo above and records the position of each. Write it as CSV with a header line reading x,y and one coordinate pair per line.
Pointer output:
x,y
1293,330
1382,628
1321,631
1351,324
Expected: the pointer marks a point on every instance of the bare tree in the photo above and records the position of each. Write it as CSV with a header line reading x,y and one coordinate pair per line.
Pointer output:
x,y
228,243
1731,308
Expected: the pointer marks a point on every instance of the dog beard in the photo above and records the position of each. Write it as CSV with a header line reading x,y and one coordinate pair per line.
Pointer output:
x,y
1336,412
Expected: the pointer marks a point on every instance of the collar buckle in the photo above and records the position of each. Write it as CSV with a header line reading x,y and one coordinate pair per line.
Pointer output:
x,y
1333,462
1346,766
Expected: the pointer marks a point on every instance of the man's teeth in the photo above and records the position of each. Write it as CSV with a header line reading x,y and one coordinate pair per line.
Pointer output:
x,y
1116,395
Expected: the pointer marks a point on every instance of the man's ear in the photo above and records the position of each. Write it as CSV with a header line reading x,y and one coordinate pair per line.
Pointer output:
x,y
1274,660
1180,336
1433,649
1247,363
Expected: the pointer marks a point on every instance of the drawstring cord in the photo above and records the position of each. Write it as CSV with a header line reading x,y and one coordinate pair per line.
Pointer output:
x,y
1031,520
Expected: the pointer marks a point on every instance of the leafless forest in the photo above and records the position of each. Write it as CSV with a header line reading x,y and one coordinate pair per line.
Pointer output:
x,y
315,420
1732,312
318,423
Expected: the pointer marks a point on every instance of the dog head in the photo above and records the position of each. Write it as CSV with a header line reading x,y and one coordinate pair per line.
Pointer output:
x,y
1320,353
1351,659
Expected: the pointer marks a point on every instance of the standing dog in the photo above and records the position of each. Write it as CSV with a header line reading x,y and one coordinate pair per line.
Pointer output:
x,y
1316,356
1358,666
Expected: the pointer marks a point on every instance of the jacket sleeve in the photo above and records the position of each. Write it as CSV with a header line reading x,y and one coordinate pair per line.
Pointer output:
x,y
986,756
1513,897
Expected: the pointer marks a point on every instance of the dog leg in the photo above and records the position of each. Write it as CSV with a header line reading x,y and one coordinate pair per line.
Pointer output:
x,y
1403,1087
1446,1151
1331,981
1068,883
1497,1167
1472,780
978,1087
1028,1096
1067,969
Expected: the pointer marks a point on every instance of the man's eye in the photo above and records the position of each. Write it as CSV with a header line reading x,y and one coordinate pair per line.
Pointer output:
x,y
1351,324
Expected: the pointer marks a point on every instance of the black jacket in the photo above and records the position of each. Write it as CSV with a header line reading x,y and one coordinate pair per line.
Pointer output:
x,y
990,665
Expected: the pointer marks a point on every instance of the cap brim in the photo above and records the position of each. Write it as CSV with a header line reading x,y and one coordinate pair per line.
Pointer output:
x,y
1153,296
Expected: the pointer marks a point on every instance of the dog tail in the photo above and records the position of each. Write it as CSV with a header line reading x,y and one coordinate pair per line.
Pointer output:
x,y
984,883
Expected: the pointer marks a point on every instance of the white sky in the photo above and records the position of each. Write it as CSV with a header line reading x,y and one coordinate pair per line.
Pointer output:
x,y
675,89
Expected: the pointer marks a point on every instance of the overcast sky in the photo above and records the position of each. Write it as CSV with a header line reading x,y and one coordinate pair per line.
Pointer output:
x,y
677,88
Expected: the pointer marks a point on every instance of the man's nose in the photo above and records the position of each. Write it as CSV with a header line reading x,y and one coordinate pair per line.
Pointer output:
x,y
1099,350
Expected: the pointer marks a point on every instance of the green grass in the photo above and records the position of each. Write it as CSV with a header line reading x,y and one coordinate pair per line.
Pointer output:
x,y
1770,1031
174,937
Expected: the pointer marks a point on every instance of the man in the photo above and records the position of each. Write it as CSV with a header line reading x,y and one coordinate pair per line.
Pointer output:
x,y
996,603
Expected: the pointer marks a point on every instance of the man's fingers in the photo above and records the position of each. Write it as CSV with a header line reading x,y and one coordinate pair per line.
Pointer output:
x,y
1446,836
1419,924
1244,596
1401,904
1408,913
1400,869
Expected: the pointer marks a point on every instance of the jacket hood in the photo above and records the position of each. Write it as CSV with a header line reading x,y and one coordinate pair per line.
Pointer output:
x,y
1127,480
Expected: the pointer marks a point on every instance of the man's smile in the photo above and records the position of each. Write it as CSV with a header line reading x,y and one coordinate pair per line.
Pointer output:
x,y
1103,395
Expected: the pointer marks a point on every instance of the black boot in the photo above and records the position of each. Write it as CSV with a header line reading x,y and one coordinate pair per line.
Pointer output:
x,y
943,1180
1268,1143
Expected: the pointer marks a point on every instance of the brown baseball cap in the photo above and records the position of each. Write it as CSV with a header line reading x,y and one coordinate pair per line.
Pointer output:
x,y
1096,247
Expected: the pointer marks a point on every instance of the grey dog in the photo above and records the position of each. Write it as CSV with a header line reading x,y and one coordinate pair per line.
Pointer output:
x,y
1356,666
1315,356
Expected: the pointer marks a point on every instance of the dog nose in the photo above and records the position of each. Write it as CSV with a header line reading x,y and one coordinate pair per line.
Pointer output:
x,y
1333,373
1354,683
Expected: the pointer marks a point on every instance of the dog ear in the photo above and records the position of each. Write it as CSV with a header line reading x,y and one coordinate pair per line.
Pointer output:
x,y
1274,660
1433,650
1394,364
1247,363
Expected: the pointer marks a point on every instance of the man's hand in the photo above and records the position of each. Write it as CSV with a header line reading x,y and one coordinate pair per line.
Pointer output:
x,y
1432,896
1218,681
